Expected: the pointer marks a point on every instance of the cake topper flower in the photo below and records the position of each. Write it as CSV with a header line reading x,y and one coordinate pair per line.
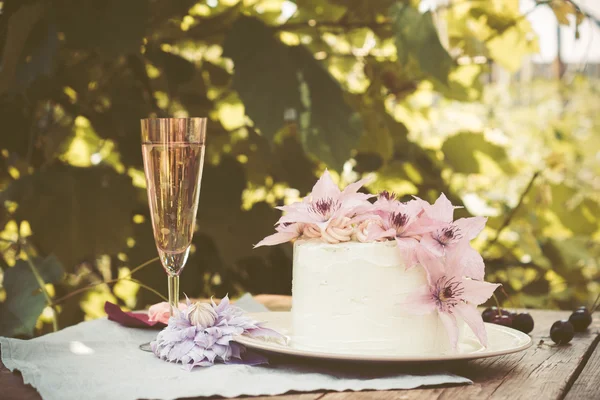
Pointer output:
x,y
327,212
401,222
448,234
202,334
450,294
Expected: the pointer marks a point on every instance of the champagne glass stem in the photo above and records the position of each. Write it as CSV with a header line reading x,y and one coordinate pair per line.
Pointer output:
x,y
173,293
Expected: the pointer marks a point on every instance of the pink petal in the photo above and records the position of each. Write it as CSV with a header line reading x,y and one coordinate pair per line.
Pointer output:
x,y
277,238
449,322
428,242
472,317
408,248
473,265
432,264
423,224
376,232
477,292
442,209
413,208
161,312
325,187
298,216
455,257
353,187
470,227
419,302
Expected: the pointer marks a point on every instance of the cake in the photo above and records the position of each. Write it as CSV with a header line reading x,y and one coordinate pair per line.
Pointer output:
x,y
346,297
381,277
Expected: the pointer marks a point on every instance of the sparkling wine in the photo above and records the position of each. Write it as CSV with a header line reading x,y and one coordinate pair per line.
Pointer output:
x,y
173,175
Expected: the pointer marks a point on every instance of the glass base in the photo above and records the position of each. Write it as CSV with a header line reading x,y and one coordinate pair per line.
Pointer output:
x,y
146,347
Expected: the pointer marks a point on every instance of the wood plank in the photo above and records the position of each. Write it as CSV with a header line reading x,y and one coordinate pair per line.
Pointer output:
x,y
587,385
293,396
13,388
544,371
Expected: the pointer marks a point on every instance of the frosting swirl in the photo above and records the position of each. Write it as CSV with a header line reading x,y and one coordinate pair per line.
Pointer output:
x,y
338,230
311,231
361,232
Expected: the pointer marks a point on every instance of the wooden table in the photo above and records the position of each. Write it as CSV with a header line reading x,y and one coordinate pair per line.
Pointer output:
x,y
544,371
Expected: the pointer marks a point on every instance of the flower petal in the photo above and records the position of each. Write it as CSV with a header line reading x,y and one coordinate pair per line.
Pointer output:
x,y
428,242
473,265
455,257
376,232
432,264
449,322
325,187
441,210
277,238
472,317
353,187
419,302
477,292
470,227
408,248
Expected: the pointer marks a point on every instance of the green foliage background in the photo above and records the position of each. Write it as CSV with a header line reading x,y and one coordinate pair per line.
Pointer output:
x,y
359,87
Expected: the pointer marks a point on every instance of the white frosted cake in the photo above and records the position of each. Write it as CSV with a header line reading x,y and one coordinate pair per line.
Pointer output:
x,y
346,297
381,276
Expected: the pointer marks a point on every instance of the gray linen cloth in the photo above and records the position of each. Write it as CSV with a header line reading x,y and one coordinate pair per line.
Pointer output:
x,y
100,360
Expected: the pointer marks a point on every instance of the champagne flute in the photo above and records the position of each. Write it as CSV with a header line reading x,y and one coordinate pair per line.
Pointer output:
x,y
173,152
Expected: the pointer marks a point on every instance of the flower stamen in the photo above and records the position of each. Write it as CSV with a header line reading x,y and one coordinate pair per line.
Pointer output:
x,y
447,293
448,235
324,208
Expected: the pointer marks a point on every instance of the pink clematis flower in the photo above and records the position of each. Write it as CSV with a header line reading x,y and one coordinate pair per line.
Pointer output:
x,y
326,211
449,233
399,221
285,232
450,294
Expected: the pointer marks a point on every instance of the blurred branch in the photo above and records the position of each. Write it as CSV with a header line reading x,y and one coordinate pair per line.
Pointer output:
x,y
126,277
512,212
42,286
148,288
515,21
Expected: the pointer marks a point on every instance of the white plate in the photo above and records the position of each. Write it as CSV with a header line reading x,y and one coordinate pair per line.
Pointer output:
x,y
501,340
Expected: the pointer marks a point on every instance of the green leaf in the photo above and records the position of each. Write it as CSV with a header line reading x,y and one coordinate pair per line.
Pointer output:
x,y
460,150
580,218
18,41
24,299
416,35
112,27
274,80
75,213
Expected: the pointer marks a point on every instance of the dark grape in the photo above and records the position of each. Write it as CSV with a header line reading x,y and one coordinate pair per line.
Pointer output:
x,y
523,322
580,319
503,320
489,313
562,332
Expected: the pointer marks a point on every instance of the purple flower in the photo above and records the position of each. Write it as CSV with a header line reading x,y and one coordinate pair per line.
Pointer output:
x,y
210,340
